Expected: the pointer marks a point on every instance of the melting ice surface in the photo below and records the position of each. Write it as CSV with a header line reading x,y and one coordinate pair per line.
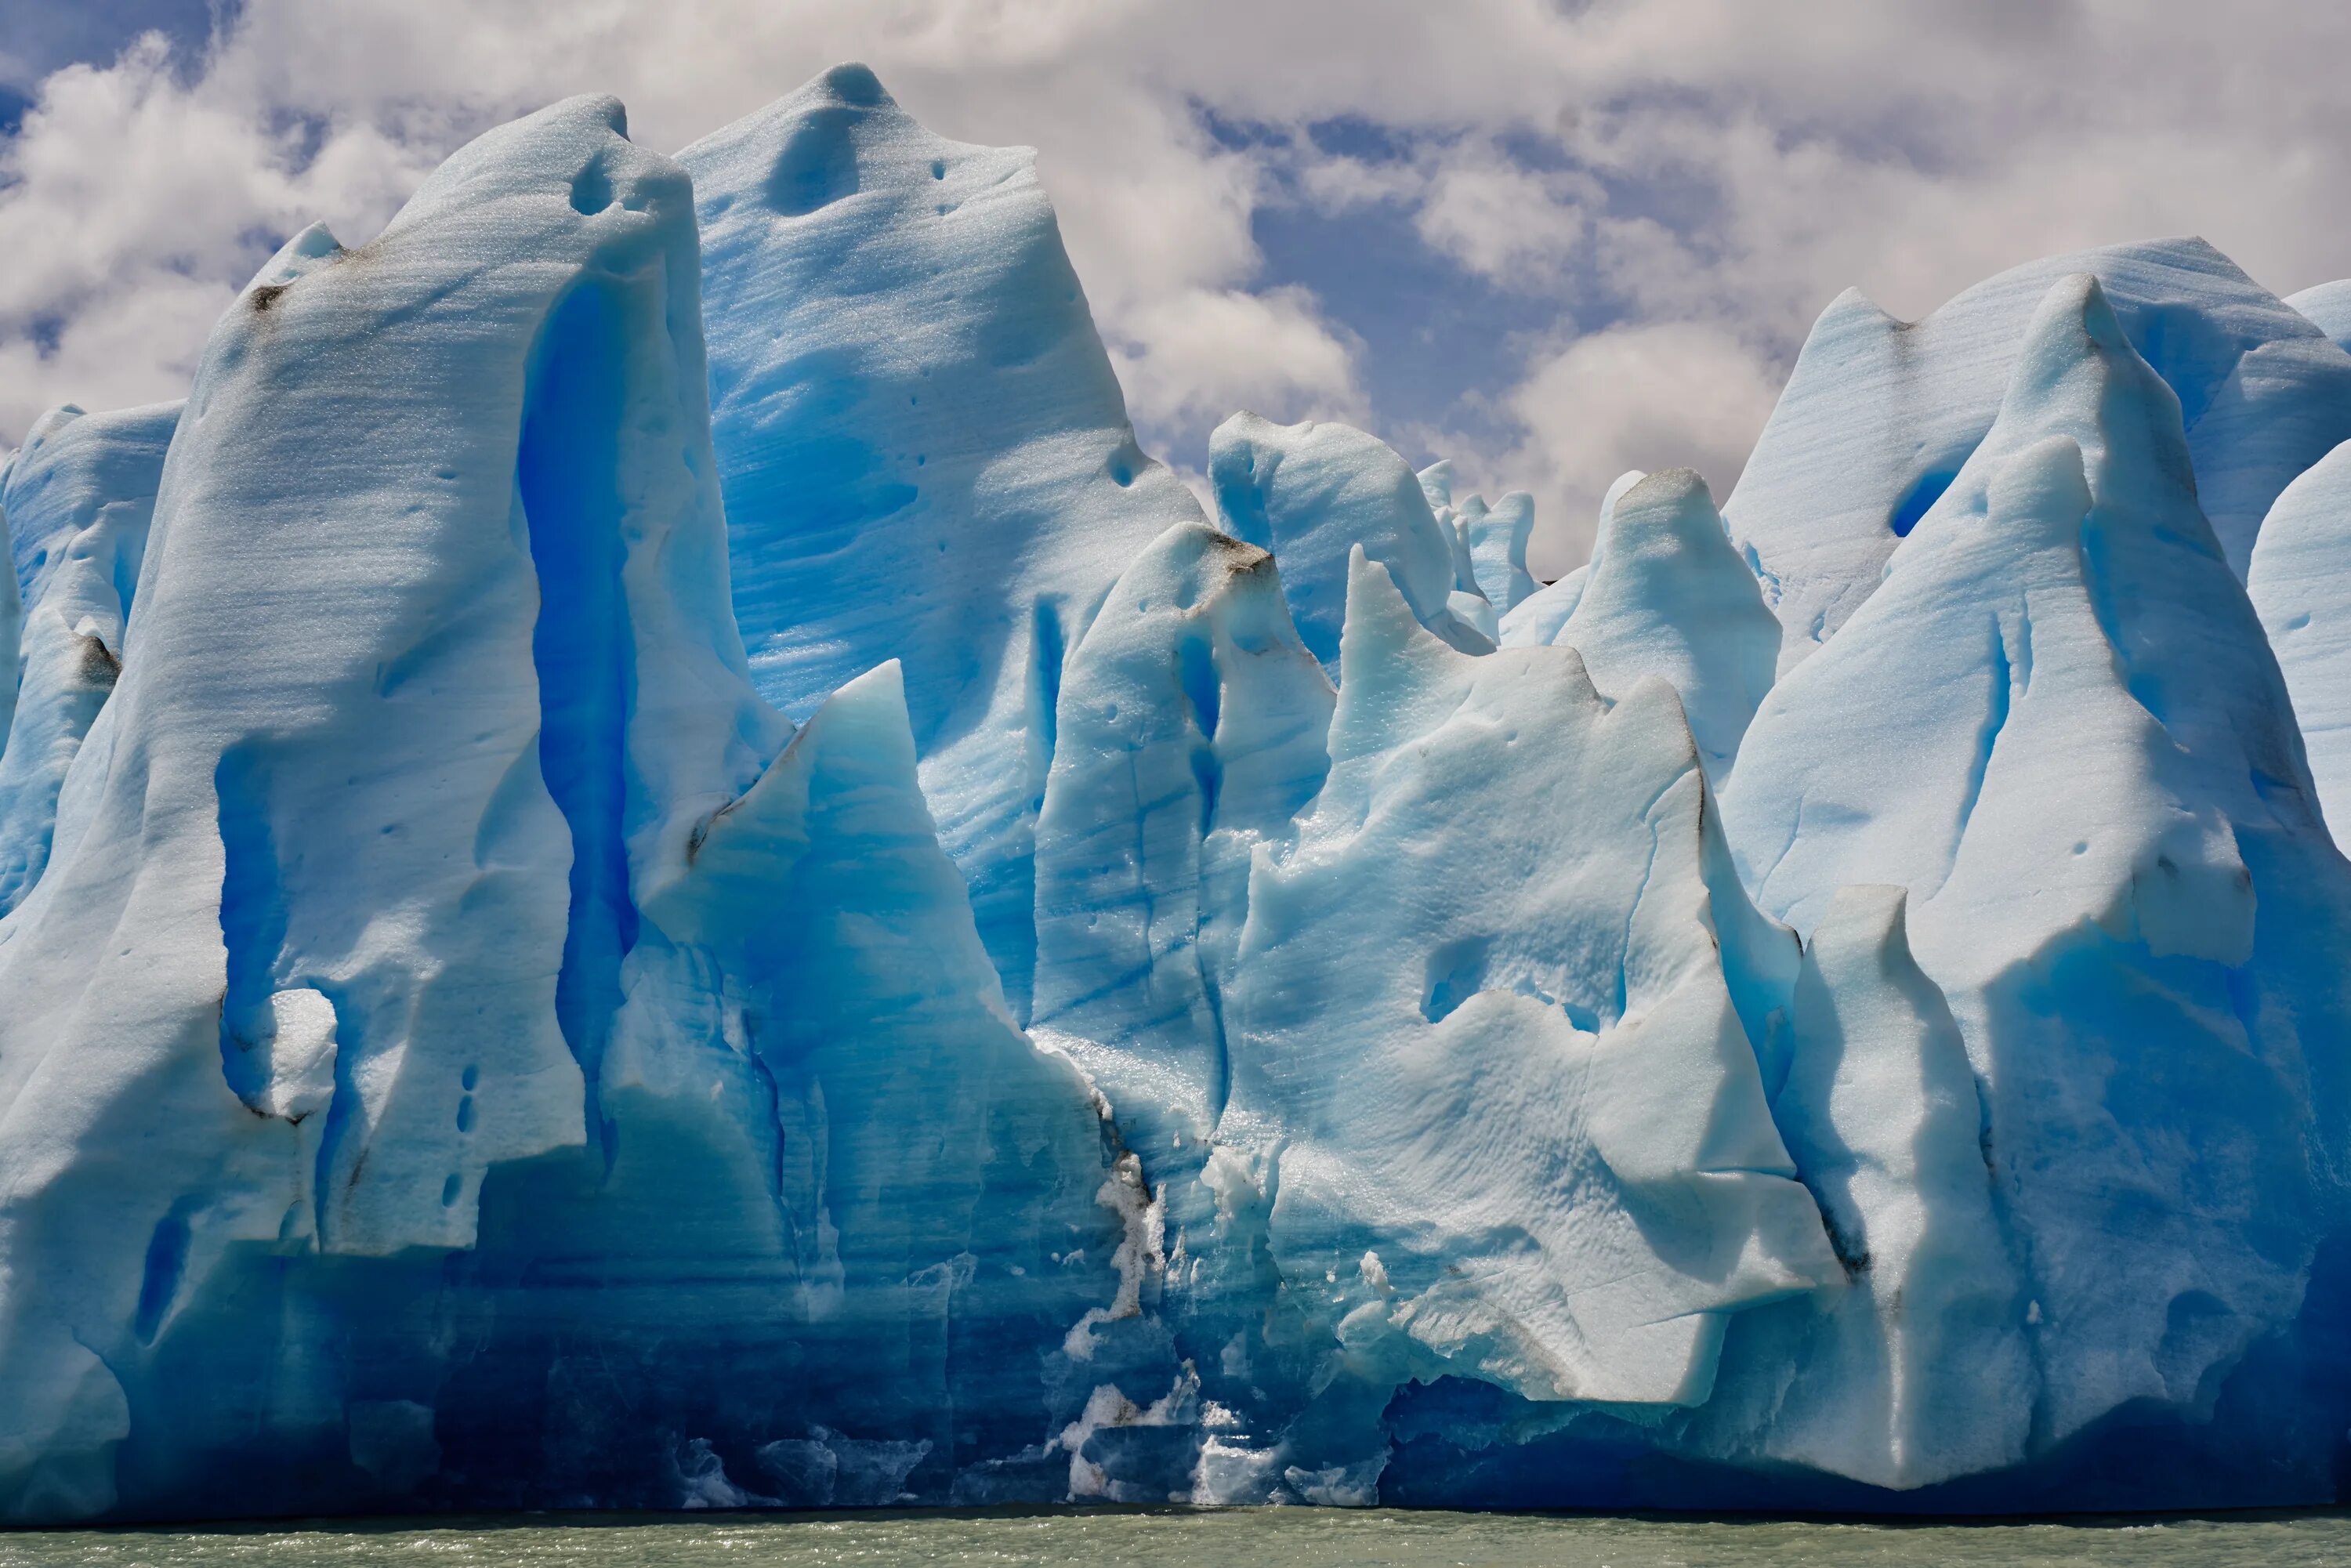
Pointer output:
x,y
644,862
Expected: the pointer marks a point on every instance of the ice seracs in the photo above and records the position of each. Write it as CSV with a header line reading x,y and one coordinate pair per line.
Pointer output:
x,y
2328,307
1490,540
1311,493
1842,1009
1473,1066
2058,728
1535,619
924,453
1666,595
1914,1372
1879,415
924,1187
79,497
1190,730
2301,584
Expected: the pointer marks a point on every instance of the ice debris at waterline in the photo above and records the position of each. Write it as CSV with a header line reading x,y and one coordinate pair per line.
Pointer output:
x,y
645,864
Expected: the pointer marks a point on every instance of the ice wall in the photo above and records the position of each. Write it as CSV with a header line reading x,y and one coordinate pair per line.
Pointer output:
x,y
1070,1002
398,913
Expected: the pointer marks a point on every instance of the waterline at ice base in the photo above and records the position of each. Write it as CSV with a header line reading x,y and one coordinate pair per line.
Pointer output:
x,y
645,864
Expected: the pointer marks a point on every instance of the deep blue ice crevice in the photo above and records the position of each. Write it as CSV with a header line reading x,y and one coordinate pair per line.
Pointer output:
x,y
582,649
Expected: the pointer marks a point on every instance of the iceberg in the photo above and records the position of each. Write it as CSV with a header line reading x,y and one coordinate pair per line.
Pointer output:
x,y
645,864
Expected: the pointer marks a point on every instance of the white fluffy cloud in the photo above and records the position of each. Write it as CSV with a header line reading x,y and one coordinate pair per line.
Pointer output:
x,y
1195,355
133,206
1510,226
1693,178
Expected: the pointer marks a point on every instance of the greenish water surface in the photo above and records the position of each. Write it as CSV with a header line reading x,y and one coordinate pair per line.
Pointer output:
x,y
1244,1538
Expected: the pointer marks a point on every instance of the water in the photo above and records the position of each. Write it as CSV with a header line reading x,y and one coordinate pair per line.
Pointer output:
x,y
1260,1538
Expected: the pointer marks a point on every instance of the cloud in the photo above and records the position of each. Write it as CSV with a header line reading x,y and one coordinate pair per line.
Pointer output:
x,y
139,193
1499,220
1509,224
1681,177
1196,356
132,206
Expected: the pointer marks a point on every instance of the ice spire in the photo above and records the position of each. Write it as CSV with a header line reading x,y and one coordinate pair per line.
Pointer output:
x,y
80,495
924,452
1880,415
1313,491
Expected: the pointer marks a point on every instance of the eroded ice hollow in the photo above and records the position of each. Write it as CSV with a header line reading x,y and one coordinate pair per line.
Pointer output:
x,y
645,862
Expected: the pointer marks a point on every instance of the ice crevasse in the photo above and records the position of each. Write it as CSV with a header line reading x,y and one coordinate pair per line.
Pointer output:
x,y
645,862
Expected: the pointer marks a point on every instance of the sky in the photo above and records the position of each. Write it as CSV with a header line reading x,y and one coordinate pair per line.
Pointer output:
x,y
1550,240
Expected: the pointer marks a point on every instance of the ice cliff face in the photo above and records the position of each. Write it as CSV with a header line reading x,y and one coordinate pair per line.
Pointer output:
x,y
644,862
2057,726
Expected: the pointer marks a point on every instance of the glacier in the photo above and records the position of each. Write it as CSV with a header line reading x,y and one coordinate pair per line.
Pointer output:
x,y
645,862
